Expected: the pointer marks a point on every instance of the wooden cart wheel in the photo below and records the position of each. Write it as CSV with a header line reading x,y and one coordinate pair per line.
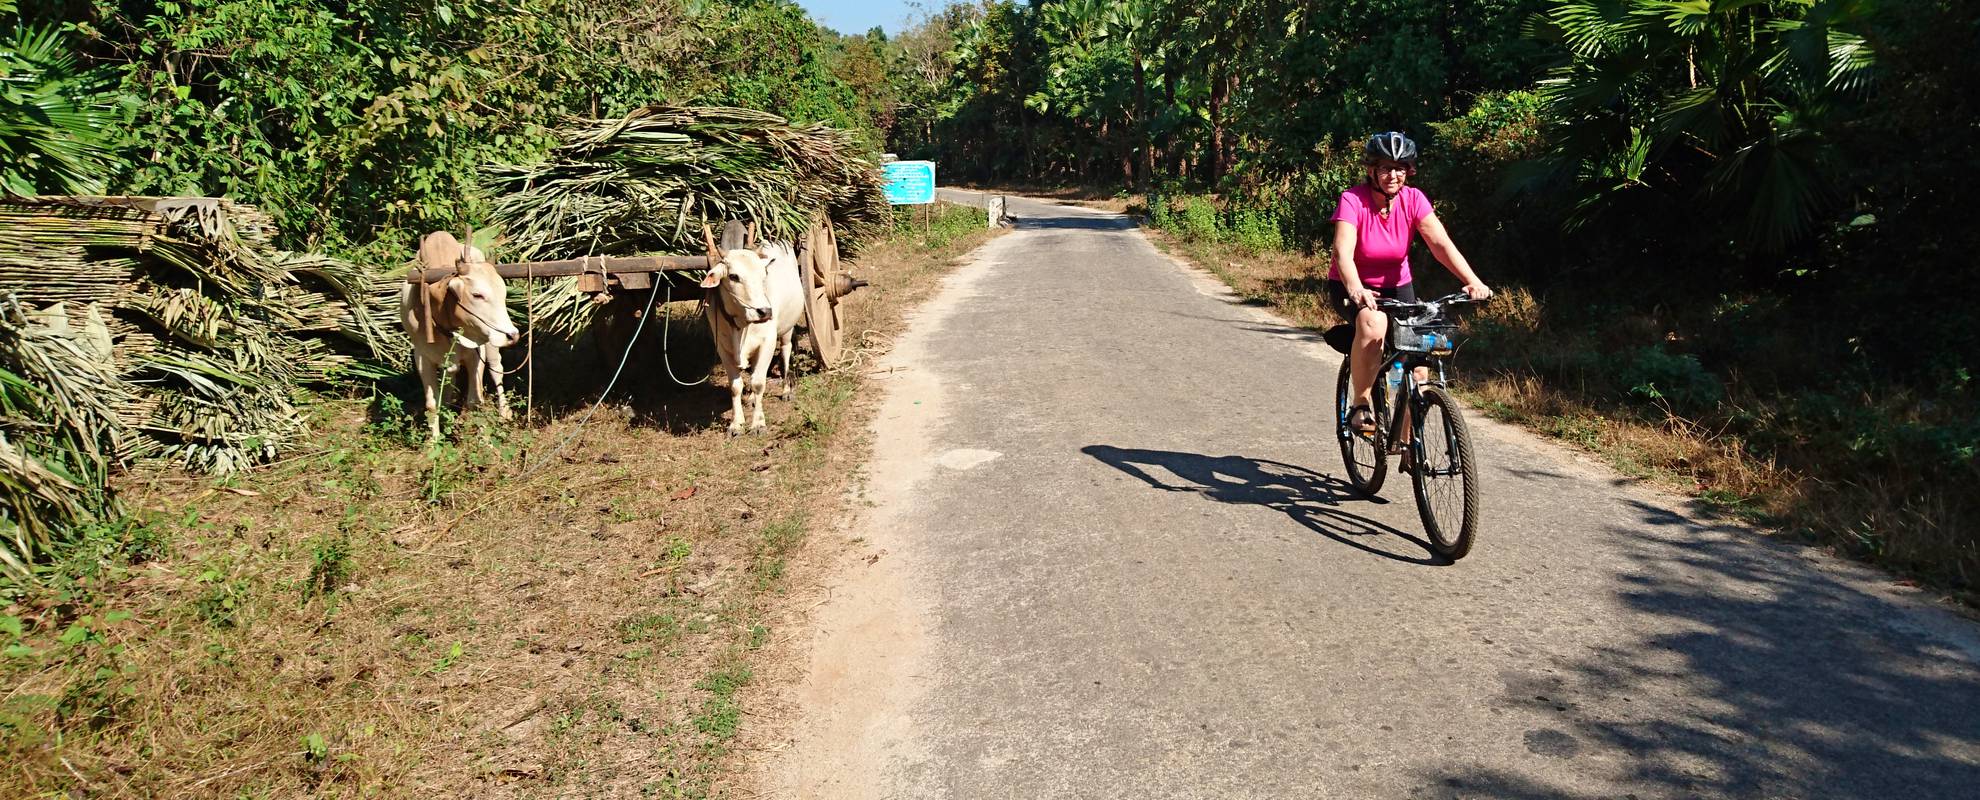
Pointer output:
x,y
821,309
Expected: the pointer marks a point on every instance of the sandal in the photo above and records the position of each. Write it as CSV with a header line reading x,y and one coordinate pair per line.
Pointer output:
x,y
1361,420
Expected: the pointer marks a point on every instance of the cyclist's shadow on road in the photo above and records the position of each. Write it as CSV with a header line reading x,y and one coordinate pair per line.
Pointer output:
x,y
1309,498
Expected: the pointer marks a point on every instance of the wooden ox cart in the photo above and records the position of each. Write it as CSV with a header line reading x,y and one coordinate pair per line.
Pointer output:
x,y
818,261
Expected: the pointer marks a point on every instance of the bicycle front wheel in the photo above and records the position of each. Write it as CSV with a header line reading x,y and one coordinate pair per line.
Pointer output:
x,y
1366,458
1446,475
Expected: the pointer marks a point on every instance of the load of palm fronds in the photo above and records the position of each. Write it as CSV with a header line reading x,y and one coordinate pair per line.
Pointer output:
x,y
643,184
135,329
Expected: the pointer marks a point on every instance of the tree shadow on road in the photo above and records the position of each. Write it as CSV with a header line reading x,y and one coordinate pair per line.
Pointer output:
x,y
1310,498
1761,676
1075,222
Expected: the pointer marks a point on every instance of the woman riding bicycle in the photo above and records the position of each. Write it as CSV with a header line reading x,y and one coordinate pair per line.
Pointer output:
x,y
1375,223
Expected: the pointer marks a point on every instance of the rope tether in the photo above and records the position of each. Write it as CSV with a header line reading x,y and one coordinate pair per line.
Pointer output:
x,y
623,358
668,325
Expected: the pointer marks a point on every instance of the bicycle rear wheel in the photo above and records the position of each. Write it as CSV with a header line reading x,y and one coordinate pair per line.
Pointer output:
x,y
1366,457
1446,475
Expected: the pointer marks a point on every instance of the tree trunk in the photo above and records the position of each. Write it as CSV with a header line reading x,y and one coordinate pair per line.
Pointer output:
x,y
1104,144
1228,158
1218,94
1141,122
1024,141
1173,153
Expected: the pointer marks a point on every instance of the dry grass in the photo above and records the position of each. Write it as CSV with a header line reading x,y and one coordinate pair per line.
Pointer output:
x,y
376,619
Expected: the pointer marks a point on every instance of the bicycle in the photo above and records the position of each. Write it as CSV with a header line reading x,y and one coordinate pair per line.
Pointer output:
x,y
1443,472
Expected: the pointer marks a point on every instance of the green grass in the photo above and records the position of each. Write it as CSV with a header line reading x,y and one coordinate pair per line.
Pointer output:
x,y
659,629
720,713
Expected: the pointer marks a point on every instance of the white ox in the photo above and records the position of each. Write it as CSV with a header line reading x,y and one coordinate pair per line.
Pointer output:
x,y
467,313
756,300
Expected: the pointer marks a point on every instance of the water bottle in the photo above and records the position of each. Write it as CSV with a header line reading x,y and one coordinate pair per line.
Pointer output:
x,y
1395,377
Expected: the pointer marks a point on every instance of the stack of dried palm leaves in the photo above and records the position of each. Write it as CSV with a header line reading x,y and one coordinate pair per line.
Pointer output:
x,y
645,183
136,329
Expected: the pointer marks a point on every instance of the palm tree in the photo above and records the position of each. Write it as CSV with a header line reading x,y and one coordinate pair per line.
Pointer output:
x,y
53,113
1727,103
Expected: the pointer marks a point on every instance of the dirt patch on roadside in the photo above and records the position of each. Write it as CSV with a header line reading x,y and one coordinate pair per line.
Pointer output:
x,y
868,632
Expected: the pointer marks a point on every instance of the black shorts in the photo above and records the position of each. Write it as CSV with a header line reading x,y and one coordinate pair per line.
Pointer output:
x,y
1337,297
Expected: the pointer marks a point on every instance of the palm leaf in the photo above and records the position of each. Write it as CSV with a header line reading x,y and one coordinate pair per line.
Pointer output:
x,y
644,183
166,329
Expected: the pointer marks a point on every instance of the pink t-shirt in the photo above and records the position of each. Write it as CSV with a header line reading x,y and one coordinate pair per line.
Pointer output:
x,y
1381,246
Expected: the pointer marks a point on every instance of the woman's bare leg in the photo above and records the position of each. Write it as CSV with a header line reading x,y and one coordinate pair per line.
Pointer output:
x,y
1370,328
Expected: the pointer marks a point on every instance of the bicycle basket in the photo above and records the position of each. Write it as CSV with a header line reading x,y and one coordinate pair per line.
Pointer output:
x,y
1436,338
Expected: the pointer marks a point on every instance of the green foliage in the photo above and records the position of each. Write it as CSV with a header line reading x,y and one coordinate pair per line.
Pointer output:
x,y
1720,110
721,713
54,111
662,629
330,564
99,673
1196,218
1161,210
361,125
1656,375
315,748
1256,230
1143,90
221,598
1499,128
937,225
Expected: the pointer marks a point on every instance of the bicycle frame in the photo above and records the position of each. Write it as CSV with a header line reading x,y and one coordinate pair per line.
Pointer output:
x,y
1411,395
1409,406
1436,446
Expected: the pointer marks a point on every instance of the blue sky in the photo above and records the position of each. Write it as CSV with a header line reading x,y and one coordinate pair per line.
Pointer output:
x,y
856,16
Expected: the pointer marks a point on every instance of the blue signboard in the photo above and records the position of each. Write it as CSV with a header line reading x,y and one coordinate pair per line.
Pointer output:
x,y
909,183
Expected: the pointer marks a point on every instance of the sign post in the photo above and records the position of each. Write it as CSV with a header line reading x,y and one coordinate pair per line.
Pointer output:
x,y
910,183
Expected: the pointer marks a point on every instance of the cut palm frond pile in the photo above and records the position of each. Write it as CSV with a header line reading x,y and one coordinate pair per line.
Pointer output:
x,y
643,184
171,329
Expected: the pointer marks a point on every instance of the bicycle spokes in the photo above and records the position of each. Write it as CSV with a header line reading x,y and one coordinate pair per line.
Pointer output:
x,y
1445,479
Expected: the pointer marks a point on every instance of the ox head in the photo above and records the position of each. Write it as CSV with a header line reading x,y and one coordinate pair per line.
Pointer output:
x,y
740,278
476,303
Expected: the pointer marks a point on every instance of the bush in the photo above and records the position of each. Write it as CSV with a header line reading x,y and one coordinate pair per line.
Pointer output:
x,y
1254,230
1498,129
1159,213
1196,219
1302,200
945,222
1655,375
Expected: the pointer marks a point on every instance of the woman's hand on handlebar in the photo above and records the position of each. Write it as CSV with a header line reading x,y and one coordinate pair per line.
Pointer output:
x,y
1477,290
1363,298
1454,298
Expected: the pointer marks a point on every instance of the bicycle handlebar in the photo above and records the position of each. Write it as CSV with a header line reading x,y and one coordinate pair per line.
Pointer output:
x,y
1454,298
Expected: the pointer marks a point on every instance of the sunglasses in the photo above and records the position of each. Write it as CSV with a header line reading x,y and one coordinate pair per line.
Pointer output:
x,y
1394,167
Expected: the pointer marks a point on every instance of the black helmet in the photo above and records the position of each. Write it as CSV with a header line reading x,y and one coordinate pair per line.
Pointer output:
x,y
1390,145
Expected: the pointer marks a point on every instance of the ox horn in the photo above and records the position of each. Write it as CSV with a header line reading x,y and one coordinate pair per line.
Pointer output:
x,y
466,243
708,238
752,234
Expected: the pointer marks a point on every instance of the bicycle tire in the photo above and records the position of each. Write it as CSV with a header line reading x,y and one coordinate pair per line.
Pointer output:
x,y
1445,476
1366,457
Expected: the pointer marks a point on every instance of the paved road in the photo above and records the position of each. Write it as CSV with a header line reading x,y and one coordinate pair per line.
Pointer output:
x,y
1124,565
